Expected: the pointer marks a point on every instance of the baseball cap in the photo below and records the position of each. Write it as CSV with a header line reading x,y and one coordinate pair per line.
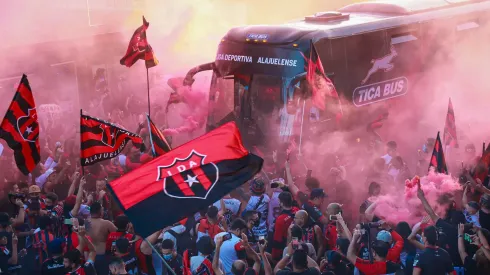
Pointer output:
x,y
257,186
317,193
34,189
384,236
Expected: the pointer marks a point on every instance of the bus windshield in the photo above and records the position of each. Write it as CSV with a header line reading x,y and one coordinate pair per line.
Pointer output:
x,y
266,108
269,110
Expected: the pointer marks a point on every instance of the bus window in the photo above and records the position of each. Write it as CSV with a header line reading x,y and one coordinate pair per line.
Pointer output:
x,y
361,50
407,42
266,102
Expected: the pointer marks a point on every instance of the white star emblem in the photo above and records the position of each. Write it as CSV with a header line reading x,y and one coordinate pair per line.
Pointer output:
x,y
191,180
29,130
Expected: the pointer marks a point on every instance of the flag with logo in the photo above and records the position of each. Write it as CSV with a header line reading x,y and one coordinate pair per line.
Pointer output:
x,y
438,161
450,139
185,180
139,48
481,170
101,140
20,128
322,88
159,144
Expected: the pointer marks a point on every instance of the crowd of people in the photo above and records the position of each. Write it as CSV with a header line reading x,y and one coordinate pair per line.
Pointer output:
x,y
57,222
61,220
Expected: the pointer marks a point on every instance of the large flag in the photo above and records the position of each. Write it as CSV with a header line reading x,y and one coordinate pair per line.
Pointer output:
x,y
481,170
185,180
101,140
139,48
321,85
159,144
438,161
20,128
450,139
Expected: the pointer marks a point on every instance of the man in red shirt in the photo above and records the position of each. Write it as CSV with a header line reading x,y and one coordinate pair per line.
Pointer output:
x,y
210,225
282,224
379,250
395,242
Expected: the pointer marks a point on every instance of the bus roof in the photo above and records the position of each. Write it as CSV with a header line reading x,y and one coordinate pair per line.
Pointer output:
x,y
382,14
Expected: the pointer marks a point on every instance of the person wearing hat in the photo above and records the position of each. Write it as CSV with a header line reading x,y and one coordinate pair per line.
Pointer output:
x,y
471,209
379,250
34,193
54,265
395,242
259,201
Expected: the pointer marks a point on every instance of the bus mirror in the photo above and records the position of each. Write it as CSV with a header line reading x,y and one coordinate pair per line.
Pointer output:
x,y
189,77
188,81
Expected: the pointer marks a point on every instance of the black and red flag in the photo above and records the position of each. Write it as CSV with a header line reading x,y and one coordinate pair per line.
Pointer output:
x,y
20,128
184,180
450,139
139,48
101,140
481,170
438,161
159,144
321,86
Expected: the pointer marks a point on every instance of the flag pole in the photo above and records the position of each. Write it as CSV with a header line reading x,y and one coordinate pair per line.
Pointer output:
x,y
148,89
81,164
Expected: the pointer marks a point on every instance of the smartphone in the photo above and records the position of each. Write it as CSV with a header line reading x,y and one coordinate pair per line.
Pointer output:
x,y
274,184
333,217
308,174
467,238
68,222
295,243
227,237
261,240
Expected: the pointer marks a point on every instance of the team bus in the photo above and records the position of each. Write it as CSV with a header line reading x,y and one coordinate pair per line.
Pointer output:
x,y
376,53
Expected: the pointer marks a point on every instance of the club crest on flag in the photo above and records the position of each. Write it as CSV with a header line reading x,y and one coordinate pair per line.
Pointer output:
x,y
109,135
28,126
188,178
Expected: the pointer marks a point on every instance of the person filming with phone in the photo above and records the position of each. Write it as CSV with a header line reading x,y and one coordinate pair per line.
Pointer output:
x,y
301,262
232,248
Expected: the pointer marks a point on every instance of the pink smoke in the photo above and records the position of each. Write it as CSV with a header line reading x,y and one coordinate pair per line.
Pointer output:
x,y
396,207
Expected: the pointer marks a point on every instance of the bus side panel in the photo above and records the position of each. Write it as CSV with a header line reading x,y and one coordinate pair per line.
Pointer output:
x,y
360,53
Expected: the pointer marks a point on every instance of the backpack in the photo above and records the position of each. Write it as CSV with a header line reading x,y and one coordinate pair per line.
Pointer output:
x,y
185,240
